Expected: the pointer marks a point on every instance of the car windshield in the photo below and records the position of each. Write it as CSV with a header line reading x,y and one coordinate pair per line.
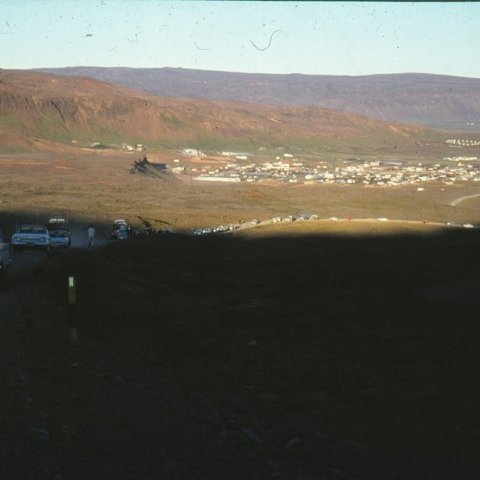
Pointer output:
x,y
59,233
32,229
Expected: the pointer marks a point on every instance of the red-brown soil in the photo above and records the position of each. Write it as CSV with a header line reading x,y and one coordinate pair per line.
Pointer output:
x,y
63,109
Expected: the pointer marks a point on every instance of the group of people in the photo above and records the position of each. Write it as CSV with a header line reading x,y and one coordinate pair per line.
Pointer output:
x,y
129,233
115,233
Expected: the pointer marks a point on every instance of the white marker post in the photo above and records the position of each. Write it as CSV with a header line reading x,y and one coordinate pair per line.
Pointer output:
x,y
72,300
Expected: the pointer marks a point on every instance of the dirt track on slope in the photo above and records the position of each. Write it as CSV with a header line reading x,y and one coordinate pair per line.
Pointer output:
x,y
457,201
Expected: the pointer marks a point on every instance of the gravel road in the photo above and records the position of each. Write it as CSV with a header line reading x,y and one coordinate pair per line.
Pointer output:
x,y
457,201
16,288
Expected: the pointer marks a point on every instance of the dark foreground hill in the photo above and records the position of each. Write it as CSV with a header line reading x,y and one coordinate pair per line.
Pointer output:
x,y
433,100
37,106
222,358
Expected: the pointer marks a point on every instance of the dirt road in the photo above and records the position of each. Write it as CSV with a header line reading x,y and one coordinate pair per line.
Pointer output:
x,y
457,201
15,291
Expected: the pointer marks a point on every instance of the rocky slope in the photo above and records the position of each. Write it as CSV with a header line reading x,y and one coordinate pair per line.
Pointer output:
x,y
410,97
62,109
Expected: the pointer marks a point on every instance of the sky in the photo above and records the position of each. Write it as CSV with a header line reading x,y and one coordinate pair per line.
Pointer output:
x,y
321,38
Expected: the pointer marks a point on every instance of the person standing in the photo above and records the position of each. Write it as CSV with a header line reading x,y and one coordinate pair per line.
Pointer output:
x,y
91,235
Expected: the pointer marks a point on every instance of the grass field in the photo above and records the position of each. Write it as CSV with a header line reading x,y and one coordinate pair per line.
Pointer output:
x,y
97,185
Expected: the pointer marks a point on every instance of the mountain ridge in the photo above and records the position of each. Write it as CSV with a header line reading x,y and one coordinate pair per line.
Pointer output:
x,y
420,98
58,108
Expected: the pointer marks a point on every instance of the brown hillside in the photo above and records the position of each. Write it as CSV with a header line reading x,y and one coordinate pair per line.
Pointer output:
x,y
436,101
63,108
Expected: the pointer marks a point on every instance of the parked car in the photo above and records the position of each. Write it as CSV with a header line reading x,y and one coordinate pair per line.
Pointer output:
x,y
60,238
120,230
57,221
60,235
31,237
5,258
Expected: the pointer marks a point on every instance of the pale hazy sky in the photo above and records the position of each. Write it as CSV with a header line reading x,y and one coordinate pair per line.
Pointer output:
x,y
338,38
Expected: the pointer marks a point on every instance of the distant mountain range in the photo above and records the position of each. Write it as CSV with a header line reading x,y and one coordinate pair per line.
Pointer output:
x,y
433,100
37,106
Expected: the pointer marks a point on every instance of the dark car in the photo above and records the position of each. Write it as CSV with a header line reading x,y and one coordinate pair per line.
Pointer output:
x,y
60,235
60,238
120,230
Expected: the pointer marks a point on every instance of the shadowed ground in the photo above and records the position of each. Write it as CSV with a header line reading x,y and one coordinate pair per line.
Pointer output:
x,y
301,356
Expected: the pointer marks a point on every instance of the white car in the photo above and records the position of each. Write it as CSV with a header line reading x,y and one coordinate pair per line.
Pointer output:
x,y
4,256
31,237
